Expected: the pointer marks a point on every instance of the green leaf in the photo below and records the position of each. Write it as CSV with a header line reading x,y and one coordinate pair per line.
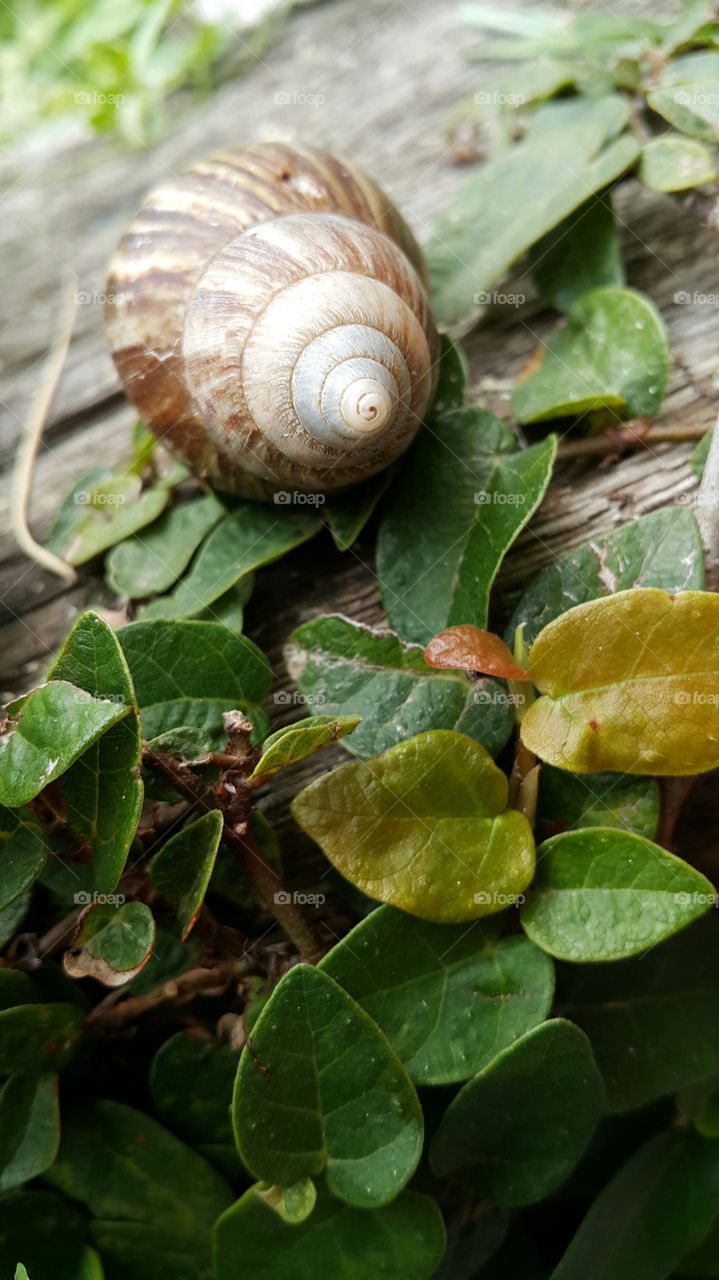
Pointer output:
x,y
522,1123
448,998
144,566
21,1273
687,95
323,1089
404,1240
611,354
251,536
46,1231
424,827
604,895
568,801
654,1020
496,214
148,1175
662,549
138,1251
190,673
439,571
629,684
46,732
185,743
114,943
181,870
346,514
29,1128
103,792
655,1210
297,741
191,1084
103,508
700,454
12,915
38,1037
23,851
16,988
294,1203
230,608
674,163
345,667
582,253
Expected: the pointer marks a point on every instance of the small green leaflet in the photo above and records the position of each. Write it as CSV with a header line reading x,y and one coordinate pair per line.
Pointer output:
x,y
295,742
700,454
507,205
523,1122
143,566
103,791
21,1273
38,1037
425,827
322,1089
190,673
114,943
12,915
653,1020
346,514
439,571
570,800
346,667
602,894
103,508
652,1213
582,253
674,163
45,733
404,1239
23,851
447,997
29,1128
182,869
251,536
630,684
612,354
293,1204
662,549
687,95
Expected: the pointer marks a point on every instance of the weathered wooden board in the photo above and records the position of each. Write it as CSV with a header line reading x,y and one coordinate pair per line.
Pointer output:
x,y
376,82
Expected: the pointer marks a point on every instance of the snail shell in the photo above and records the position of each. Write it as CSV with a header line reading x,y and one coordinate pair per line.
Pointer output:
x,y
268,318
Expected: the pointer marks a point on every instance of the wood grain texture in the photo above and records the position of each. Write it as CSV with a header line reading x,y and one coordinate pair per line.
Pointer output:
x,y
388,76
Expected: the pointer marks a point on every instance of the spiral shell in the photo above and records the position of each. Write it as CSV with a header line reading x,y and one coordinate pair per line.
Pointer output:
x,y
268,319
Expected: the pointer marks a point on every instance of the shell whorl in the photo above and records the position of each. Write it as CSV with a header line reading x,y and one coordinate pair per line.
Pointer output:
x,y
269,320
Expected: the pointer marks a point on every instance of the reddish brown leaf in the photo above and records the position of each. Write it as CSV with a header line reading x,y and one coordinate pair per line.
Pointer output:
x,y
472,649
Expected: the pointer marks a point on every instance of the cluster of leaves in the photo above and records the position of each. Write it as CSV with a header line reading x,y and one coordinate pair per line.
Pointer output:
x,y
113,65
467,1035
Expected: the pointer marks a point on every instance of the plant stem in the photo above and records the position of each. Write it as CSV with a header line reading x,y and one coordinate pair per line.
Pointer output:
x,y
606,444
267,884
707,512
113,1013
